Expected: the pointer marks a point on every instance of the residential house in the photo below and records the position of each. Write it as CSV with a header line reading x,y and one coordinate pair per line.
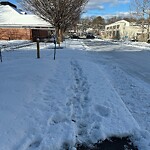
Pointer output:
x,y
18,25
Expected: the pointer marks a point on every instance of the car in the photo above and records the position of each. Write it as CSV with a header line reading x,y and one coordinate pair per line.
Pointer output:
x,y
134,40
90,36
74,36
148,40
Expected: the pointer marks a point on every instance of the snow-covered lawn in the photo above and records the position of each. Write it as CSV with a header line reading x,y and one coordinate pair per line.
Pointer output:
x,y
52,105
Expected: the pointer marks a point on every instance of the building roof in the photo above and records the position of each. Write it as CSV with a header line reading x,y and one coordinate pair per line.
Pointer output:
x,y
119,22
13,17
8,3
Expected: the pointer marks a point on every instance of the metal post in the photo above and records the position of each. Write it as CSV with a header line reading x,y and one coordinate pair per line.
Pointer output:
x,y
54,48
0,55
38,48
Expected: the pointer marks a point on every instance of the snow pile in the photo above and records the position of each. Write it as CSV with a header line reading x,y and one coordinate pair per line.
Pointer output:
x,y
18,19
47,104
140,45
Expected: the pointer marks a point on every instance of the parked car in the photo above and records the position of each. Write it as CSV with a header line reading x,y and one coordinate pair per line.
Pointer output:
x,y
74,36
134,40
148,41
90,36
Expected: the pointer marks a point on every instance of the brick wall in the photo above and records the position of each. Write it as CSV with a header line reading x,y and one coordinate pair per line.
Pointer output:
x,y
39,34
15,34
22,34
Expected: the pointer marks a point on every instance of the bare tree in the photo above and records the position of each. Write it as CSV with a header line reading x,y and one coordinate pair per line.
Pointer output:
x,y
98,21
113,19
141,8
85,24
62,14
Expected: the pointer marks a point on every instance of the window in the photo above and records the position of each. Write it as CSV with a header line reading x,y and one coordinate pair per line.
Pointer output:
x,y
114,27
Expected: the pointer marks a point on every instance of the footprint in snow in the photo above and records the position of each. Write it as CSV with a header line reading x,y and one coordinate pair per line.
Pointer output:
x,y
34,145
57,118
102,110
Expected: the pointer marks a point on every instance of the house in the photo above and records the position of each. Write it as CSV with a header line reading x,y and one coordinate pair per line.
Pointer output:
x,y
123,30
18,25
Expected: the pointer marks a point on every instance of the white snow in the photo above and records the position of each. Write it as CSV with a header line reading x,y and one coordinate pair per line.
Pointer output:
x,y
48,104
18,19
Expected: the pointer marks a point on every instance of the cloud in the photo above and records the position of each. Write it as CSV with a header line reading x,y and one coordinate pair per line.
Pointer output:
x,y
124,1
107,16
117,14
98,4
103,7
95,4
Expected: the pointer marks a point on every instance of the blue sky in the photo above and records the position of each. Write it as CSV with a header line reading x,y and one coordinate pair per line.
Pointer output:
x,y
105,8
12,1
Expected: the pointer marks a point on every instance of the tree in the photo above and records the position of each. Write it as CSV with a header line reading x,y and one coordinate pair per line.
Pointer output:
x,y
130,19
85,23
98,21
113,19
62,14
141,8
98,24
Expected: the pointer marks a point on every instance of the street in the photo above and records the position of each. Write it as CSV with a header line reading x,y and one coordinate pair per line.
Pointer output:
x,y
132,62
128,70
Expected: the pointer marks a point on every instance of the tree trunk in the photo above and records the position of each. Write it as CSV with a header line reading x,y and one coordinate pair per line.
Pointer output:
x,y
143,22
148,27
58,35
61,35
142,30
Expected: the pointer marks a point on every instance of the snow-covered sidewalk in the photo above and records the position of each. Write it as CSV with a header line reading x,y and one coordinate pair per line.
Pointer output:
x,y
52,105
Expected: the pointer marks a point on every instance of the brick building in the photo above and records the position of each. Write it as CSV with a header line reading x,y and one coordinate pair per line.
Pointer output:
x,y
17,25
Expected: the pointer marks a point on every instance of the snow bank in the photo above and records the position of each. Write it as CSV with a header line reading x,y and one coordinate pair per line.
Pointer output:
x,y
46,104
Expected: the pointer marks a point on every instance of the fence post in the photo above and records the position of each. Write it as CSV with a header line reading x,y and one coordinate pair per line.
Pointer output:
x,y
38,48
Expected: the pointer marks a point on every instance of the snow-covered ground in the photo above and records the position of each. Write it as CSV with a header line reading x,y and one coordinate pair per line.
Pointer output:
x,y
48,104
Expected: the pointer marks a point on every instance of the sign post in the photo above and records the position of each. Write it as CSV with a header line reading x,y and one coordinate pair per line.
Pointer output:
x,y
54,48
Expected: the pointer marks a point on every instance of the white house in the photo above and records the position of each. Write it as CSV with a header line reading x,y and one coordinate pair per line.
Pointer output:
x,y
122,30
